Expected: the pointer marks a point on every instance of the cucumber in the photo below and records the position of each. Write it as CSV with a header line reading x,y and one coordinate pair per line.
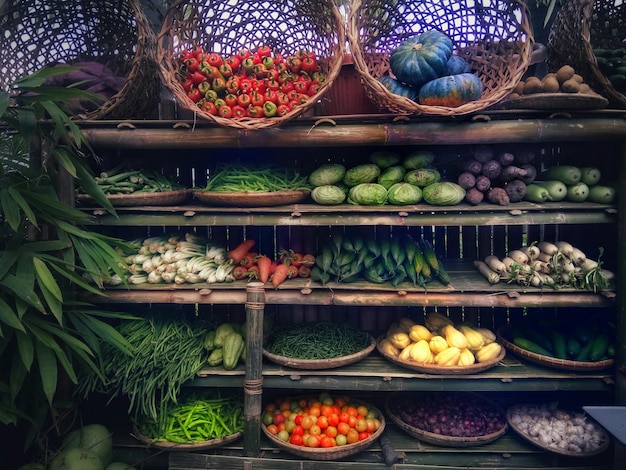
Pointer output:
x,y
568,174
590,175
601,194
573,347
599,345
556,188
578,192
559,345
538,338
583,355
528,345
537,193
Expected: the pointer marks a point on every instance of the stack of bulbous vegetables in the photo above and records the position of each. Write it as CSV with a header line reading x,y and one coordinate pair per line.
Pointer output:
x,y
348,258
426,69
122,180
545,264
226,345
387,178
439,342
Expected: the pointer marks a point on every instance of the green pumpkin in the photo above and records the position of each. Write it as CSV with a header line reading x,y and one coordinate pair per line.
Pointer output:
x,y
456,65
451,91
421,58
398,88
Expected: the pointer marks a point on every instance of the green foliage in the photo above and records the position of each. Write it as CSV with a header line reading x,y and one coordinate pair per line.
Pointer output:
x,y
47,257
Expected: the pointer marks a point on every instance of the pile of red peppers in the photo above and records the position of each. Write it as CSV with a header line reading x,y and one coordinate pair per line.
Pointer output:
x,y
257,84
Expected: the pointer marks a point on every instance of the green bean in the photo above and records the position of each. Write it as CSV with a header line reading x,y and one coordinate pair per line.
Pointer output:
x,y
240,178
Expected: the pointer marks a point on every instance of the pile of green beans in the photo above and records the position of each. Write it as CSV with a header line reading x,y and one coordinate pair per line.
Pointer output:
x,y
196,420
318,340
242,178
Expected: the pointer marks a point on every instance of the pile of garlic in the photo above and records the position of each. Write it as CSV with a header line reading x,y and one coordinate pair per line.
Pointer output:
x,y
557,429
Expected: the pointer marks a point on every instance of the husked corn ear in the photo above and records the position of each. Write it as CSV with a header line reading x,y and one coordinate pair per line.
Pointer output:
x,y
386,346
405,354
435,321
488,352
400,340
405,324
466,358
475,339
437,344
420,352
418,332
448,357
489,335
454,337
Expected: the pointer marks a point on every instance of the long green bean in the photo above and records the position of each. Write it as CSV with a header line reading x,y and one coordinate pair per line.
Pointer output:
x,y
241,178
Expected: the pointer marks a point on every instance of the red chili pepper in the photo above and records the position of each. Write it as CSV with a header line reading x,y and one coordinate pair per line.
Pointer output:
x,y
209,107
282,98
271,95
191,64
225,70
256,58
278,58
314,89
256,98
243,54
234,62
232,84
226,111
292,104
272,85
244,100
248,65
304,78
309,65
272,74
259,71
230,99
294,64
258,85
264,51
255,111
282,109
245,85
197,50
300,86
194,95
197,78
293,95
239,111
215,59
287,86
187,84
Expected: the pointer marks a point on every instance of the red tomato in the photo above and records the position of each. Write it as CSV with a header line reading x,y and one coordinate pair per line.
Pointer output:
x,y
272,429
333,419
363,435
296,440
326,442
313,441
297,430
279,418
343,428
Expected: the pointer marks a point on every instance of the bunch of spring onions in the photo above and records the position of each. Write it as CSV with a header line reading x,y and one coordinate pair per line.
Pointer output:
x,y
175,259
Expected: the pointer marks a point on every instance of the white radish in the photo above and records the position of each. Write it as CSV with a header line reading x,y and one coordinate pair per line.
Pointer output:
x,y
519,256
578,256
565,247
531,251
495,264
548,248
588,265
507,263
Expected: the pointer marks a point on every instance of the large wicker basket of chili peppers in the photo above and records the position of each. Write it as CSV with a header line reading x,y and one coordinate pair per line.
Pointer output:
x,y
424,57
590,36
250,64
110,42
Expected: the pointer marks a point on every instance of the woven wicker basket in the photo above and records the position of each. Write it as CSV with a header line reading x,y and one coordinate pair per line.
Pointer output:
x,y
579,27
495,38
226,27
38,33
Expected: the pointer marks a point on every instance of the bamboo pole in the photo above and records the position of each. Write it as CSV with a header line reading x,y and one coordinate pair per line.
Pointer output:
x,y
253,382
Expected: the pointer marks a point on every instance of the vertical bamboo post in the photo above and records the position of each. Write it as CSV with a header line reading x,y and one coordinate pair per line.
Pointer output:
x,y
253,381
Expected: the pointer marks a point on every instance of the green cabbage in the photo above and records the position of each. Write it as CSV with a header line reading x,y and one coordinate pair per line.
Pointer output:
x,y
418,159
401,194
391,176
328,195
329,173
443,194
422,177
365,173
368,194
384,158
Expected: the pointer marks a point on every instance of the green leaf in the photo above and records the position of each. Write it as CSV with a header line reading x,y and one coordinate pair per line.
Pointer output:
x,y
21,202
4,102
48,339
18,374
10,210
46,279
25,272
107,333
26,348
61,333
89,185
10,317
12,283
65,161
7,261
47,369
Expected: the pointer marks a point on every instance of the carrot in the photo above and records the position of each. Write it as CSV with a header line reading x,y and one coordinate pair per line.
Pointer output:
x,y
240,272
292,271
304,271
280,274
264,264
253,272
241,250
249,259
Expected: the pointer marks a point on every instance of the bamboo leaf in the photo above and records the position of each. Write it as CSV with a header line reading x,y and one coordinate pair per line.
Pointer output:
x,y
9,316
25,271
65,161
45,246
107,333
46,279
89,185
12,283
17,375
21,202
10,210
8,259
47,369
61,333
48,340
26,349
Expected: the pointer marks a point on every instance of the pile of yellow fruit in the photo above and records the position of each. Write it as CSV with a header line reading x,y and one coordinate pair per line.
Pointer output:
x,y
439,342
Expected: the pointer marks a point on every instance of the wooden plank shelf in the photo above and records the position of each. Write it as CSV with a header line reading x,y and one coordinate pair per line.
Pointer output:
x,y
522,213
375,373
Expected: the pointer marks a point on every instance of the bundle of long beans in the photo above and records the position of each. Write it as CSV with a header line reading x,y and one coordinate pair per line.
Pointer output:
x,y
237,177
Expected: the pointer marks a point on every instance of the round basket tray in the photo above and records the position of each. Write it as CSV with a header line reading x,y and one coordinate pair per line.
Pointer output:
x,y
580,27
182,447
251,199
440,439
376,27
330,453
511,411
441,370
315,364
82,32
553,362
164,198
555,101
287,27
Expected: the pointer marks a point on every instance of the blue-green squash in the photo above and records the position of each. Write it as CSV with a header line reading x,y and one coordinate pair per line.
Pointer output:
x,y
421,58
398,88
456,65
451,91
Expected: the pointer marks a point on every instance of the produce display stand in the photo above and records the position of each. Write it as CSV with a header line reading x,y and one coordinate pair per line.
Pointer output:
x,y
487,225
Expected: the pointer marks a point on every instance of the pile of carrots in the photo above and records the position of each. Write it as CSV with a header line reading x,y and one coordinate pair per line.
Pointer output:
x,y
251,265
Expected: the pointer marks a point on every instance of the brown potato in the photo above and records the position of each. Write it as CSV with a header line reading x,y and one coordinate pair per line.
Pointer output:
x,y
584,88
570,86
565,73
533,85
550,84
578,78
519,88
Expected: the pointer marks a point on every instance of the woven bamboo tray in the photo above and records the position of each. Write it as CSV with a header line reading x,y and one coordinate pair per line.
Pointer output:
x,y
580,27
330,453
317,364
553,362
513,409
497,41
182,447
440,439
251,199
163,198
286,26
441,370
83,31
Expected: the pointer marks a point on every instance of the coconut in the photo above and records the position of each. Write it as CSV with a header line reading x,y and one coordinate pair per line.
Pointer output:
x,y
94,437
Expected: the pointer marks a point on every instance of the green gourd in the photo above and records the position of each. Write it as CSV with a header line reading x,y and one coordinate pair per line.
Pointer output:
x,y
398,88
234,345
421,58
451,91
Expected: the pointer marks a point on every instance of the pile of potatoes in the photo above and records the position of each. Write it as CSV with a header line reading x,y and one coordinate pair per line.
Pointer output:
x,y
564,80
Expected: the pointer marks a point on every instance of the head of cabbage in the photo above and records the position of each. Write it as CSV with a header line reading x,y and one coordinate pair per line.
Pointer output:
x,y
364,173
384,158
328,173
368,194
422,177
328,195
401,194
392,175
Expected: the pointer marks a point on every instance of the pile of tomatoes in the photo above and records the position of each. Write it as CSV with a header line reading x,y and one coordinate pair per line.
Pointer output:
x,y
261,83
320,421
